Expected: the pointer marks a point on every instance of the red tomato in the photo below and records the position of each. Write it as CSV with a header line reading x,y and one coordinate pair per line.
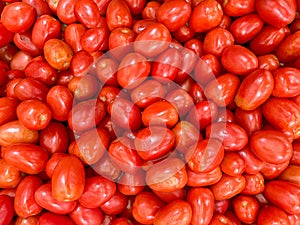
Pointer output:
x,y
205,16
136,6
276,13
52,162
15,132
18,17
205,156
73,34
174,14
28,158
87,13
203,179
106,69
31,220
49,218
254,184
201,201
246,208
10,175
68,179
80,63
115,205
268,62
250,120
6,36
118,15
24,202
24,42
220,219
145,207
288,51
255,89
239,60
65,11
29,88
34,114
291,174
232,164
132,183
83,215
270,214
8,106
6,209
236,9
150,10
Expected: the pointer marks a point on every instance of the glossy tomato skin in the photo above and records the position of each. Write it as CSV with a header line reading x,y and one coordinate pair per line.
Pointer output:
x,y
275,190
290,174
168,12
209,12
73,34
24,203
203,179
270,214
145,207
287,51
49,218
250,120
255,89
237,9
268,62
10,175
115,205
7,209
201,201
8,107
132,183
220,219
28,158
254,184
246,208
178,211
83,215
68,179
283,15
24,42
87,13
18,17
232,164
6,36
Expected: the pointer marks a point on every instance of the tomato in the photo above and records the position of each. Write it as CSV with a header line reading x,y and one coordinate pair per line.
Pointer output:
x,y
205,16
195,45
203,179
254,184
246,27
150,10
236,9
68,179
145,207
58,54
115,205
201,201
175,212
276,13
132,183
219,219
34,114
31,220
73,34
7,209
268,62
136,6
18,17
15,132
24,42
287,50
160,113
24,202
216,40
239,60
118,14
246,208
205,156
232,164
10,175
270,214
156,36
282,113
52,162
80,69
271,171
183,34
267,40
41,7
87,13
228,187
249,120
49,218
106,69
83,215
174,14
221,206
6,36
283,194
8,107
132,70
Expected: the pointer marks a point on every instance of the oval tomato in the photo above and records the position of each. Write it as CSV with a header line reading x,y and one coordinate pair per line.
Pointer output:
x,y
10,175
246,208
84,215
8,106
87,13
49,218
241,8
203,179
270,214
7,209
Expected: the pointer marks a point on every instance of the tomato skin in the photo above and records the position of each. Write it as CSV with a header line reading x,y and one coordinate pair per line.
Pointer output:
x,y
237,9
60,100
18,17
159,175
83,215
150,10
275,190
132,183
249,120
34,114
115,205
87,13
49,218
268,39
7,209
201,201
6,36
268,62
168,12
106,69
246,27
65,11
28,158
31,220
255,89
10,175
254,184
203,179
245,61
287,50
287,83
24,203
73,34
24,42
85,59
68,179
176,212
232,164
228,187
270,214
145,207
220,219
246,208
282,113
209,12
160,113
161,141
8,106
15,132
276,13
118,15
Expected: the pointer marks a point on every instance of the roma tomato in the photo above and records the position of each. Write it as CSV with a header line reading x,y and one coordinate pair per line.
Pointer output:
x,y
10,175
49,218
8,106
250,120
6,36
268,62
87,13
205,16
24,203
246,208
68,179
287,51
115,205
276,13
220,219
80,63
65,11
24,42
254,184
132,183
174,14
175,212
18,17
83,215
237,9
73,34
52,162
106,69
232,164
6,209
34,114
28,158
203,179
270,214
291,174
201,201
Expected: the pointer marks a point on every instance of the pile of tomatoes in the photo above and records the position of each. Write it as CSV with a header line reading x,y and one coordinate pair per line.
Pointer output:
x,y
175,112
